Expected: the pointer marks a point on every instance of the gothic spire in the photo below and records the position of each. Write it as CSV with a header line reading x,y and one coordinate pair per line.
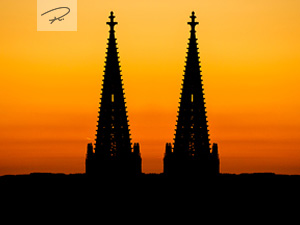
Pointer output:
x,y
191,150
191,137
113,148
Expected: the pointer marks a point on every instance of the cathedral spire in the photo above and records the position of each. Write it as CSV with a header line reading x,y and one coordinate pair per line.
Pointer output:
x,y
114,153
192,136
191,150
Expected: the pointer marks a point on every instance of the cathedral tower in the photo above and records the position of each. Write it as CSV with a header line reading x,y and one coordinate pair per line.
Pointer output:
x,y
113,153
191,153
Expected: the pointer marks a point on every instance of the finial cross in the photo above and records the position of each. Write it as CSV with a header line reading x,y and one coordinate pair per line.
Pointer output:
x,y
111,23
193,23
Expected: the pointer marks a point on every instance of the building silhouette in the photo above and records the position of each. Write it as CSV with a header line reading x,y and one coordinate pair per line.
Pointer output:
x,y
191,153
113,153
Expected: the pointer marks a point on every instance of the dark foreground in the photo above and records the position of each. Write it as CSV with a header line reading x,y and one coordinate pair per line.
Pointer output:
x,y
228,179
153,197
156,185
153,183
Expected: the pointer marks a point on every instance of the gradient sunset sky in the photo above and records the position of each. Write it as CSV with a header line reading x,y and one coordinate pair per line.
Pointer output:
x,y
250,56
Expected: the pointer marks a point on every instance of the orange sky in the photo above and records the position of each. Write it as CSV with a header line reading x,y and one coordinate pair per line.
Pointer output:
x,y
50,81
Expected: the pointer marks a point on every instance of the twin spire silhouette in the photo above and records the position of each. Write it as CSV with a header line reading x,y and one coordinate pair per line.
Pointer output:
x,y
113,154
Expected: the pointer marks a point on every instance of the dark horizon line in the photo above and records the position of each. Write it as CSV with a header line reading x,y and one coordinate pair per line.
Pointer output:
x,y
150,174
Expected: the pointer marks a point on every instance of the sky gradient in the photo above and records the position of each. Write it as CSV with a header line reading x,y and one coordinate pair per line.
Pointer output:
x,y
50,81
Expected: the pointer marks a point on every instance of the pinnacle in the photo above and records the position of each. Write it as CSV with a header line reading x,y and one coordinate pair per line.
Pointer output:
x,y
193,23
112,23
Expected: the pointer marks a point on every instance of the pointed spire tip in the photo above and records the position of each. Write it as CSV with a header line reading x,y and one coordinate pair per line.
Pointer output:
x,y
111,23
193,23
